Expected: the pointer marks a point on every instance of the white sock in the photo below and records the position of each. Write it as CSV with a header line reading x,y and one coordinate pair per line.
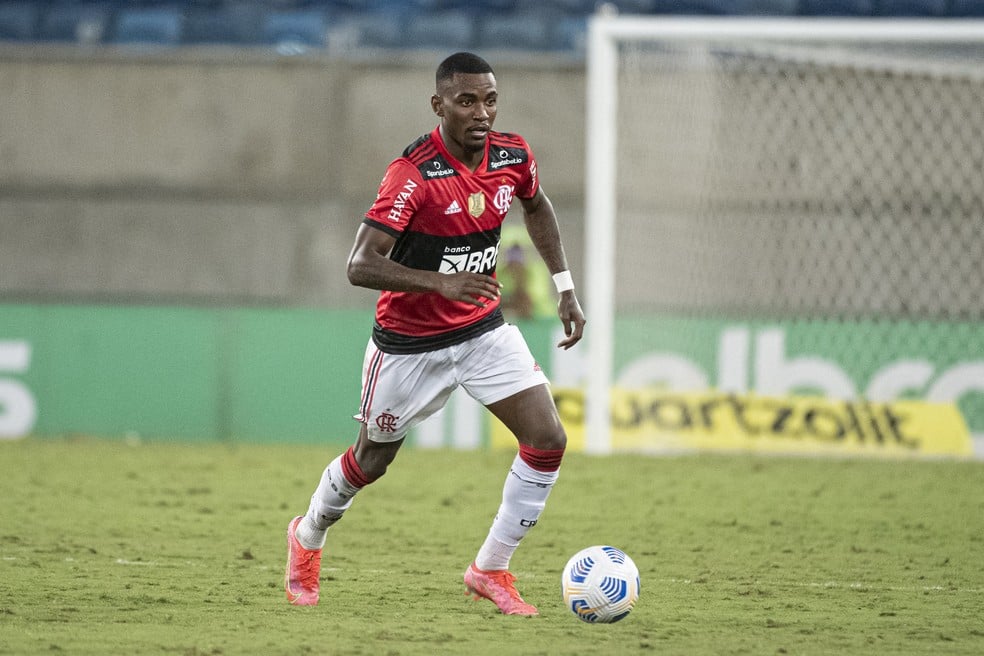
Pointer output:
x,y
524,496
330,500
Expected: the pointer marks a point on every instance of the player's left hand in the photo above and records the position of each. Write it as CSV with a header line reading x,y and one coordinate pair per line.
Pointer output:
x,y
572,318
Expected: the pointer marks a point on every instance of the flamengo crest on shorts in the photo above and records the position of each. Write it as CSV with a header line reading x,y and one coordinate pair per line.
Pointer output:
x,y
400,390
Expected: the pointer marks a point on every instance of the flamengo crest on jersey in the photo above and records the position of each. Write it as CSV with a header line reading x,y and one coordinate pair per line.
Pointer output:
x,y
446,218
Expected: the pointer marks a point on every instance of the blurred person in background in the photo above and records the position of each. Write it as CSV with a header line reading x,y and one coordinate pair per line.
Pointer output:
x,y
527,291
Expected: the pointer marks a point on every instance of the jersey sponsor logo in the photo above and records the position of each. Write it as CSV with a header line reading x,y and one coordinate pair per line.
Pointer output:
x,y
476,204
503,198
401,200
436,168
462,258
453,208
500,157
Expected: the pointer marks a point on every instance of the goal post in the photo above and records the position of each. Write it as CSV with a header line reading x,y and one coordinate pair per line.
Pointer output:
x,y
600,208
820,171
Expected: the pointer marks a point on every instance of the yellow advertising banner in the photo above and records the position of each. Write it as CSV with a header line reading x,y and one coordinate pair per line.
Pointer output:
x,y
665,421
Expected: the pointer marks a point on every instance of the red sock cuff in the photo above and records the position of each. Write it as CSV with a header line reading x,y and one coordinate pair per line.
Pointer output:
x,y
352,471
544,460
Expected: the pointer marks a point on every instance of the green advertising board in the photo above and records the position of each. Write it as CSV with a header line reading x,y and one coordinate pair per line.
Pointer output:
x,y
294,374
181,373
876,360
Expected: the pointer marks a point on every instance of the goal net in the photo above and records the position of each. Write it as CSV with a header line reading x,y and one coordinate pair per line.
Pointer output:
x,y
813,187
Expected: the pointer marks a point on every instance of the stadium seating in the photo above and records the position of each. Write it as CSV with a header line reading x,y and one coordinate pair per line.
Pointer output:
x,y
224,25
911,8
966,8
447,29
574,7
150,26
349,30
837,7
74,22
692,7
765,7
517,31
19,21
339,25
571,34
295,28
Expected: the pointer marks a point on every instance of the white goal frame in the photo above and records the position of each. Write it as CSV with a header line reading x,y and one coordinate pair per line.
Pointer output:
x,y
605,30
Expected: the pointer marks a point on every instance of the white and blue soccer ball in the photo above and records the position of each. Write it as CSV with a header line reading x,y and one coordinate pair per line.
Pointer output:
x,y
600,584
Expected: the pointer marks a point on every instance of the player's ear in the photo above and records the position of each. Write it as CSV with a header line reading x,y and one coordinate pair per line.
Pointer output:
x,y
437,105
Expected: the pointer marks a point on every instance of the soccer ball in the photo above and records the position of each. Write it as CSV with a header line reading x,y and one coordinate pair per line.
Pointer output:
x,y
600,584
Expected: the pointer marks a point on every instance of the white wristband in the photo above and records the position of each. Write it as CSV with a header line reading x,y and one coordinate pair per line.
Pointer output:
x,y
563,281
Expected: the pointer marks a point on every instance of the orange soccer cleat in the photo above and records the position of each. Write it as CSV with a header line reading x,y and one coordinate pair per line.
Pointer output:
x,y
303,568
497,586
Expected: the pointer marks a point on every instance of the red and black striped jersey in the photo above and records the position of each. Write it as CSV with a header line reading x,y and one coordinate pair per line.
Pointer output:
x,y
445,218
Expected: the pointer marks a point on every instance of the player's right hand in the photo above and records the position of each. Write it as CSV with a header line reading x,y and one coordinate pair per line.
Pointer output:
x,y
472,288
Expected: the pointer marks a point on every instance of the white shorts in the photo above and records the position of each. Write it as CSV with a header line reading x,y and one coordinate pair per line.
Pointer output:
x,y
400,391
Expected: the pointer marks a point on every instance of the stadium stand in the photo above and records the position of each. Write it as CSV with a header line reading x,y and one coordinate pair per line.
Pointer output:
x,y
19,21
448,29
571,34
837,8
295,29
692,7
350,30
911,8
160,26
765,7
75,22
966,8
520,30
573,7
343,25
241,25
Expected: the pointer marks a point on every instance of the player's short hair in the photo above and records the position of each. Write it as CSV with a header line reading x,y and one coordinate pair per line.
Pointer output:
x,y
462,62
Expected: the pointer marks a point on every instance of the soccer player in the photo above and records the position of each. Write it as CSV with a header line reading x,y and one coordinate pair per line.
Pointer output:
x,y
429,243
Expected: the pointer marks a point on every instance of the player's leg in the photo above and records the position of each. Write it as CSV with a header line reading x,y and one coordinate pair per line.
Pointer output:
x,y
515,390
532,418
388,381
363,463
343,478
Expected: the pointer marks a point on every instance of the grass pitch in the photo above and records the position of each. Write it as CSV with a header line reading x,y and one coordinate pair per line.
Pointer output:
x,y
107,548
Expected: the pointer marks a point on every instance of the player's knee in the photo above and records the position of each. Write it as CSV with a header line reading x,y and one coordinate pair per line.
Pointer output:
x,y
556,441
548,440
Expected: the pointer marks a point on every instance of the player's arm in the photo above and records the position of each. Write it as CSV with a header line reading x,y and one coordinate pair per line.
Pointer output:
x,y
369,266
541,223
